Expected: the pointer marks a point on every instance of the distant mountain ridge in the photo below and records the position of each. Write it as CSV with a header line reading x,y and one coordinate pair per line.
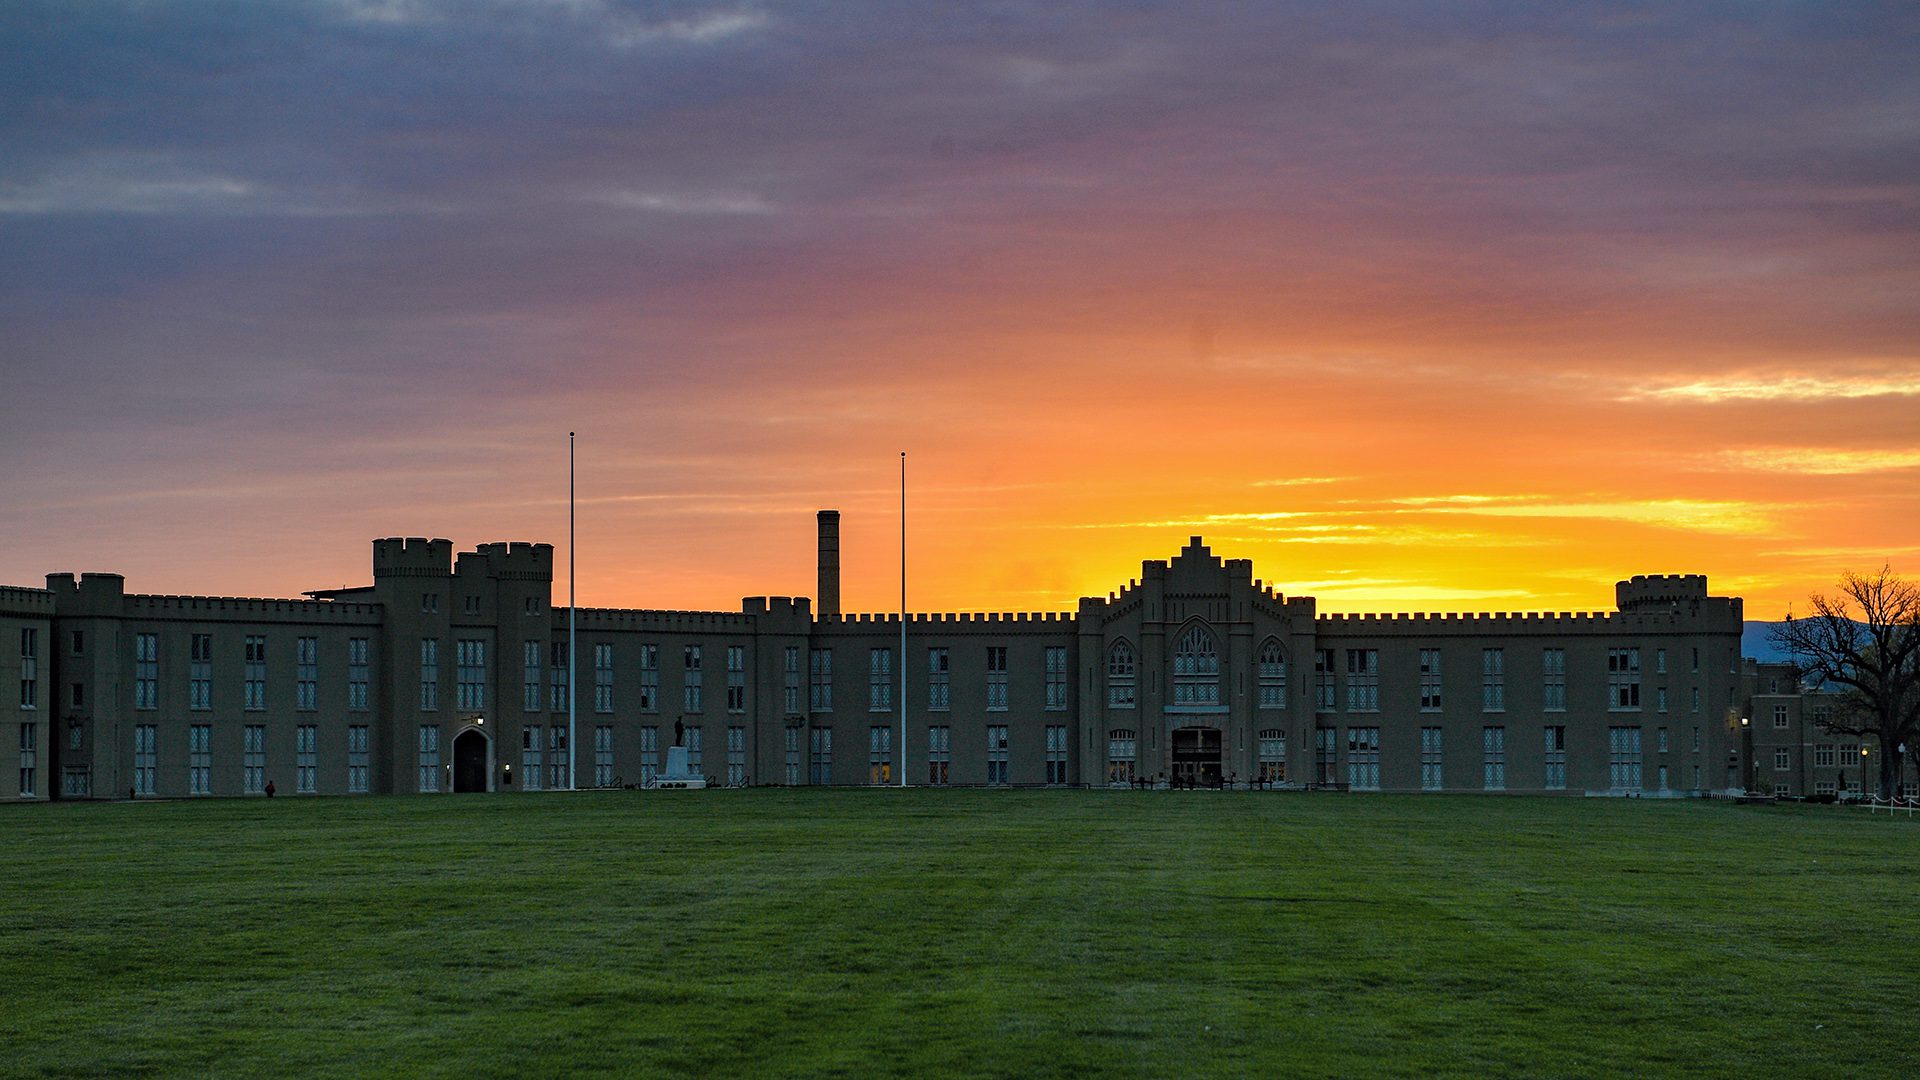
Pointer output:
x,y
1756,642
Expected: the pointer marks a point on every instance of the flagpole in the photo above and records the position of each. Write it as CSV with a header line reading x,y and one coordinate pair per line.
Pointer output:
x,y
572,612
903,618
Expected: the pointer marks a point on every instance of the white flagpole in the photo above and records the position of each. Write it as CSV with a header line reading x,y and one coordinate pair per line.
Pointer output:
x,y
903,618
572,609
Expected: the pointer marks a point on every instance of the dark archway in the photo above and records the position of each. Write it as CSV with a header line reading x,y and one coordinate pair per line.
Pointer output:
x,y
1196,756
470,762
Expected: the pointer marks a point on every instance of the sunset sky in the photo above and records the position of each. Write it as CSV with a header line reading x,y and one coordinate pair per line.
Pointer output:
x,y
1436,307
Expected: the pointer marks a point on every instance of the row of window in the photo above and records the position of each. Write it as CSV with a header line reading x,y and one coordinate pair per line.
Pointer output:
x,y
253,686
1362,670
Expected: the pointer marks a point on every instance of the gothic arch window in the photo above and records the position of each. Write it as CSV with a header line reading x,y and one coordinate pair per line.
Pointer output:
x,y
1121,676
1196,668
1273,675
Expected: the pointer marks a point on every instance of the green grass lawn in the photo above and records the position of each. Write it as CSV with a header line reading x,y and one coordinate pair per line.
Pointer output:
x,y
965,932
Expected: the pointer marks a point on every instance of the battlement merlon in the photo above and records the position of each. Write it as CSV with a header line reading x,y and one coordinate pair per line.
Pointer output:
x,y
412,556
30,602
94,595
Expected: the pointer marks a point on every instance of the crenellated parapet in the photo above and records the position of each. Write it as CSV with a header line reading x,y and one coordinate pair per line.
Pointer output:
x,y
239,608
1660,590
516,561
657,621
20,600
412,556
1052,622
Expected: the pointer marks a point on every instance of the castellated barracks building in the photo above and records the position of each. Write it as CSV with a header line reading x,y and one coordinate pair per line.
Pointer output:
x,y
451,674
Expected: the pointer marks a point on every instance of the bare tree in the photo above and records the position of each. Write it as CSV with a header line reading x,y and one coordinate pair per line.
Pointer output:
x,y
1867,641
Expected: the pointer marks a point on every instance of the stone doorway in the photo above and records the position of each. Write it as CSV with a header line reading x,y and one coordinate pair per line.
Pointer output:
x,y
1197,756
470,761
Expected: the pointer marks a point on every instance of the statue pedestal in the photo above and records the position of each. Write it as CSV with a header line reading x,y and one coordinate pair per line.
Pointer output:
x,y
676,776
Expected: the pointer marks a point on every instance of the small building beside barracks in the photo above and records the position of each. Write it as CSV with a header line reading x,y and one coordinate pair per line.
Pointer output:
x,y
450,673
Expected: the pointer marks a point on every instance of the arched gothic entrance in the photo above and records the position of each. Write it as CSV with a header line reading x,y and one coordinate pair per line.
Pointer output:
x,y
470,761
1197,756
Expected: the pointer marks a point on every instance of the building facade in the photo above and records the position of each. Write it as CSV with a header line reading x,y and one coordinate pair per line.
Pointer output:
x,y
452,673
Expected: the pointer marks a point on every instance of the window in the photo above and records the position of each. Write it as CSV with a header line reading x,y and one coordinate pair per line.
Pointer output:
x,y
254,685
559,762
1057,753
1660,736
1363,680
1120,756
736,755
76,734
1363,756
1120,676
472,604
429,602
306,674
649,678
1493,680
1663,778
357,675
1696,699
696,755
429,757
531,605
1696,740
820,761
1196,669
1660,661
1825,787
306,758
1326,748
1555,773
146,674
200,673
1429,680
736,679
939,681
146,756
1660,698
1273,676
820,681
793,753
1779,716
1272,750
79,641
559,676
470,673
79,782
939,754
649,754
29,667
1696,660
430,674
200,759
1823,756
996,678
790,682
603,677
880,754
357,764
253,762
1056,678
78,697
603,756
1493,762
1623,758
1431,761
1782,760
29,760
1623,679
531,656
1323,690
1553,676
997,755
532,757
691,688
880,680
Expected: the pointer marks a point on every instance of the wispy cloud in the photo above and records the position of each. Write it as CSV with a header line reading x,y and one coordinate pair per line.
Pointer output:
x,y
679,203
1302,481
1789,387
1818,461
